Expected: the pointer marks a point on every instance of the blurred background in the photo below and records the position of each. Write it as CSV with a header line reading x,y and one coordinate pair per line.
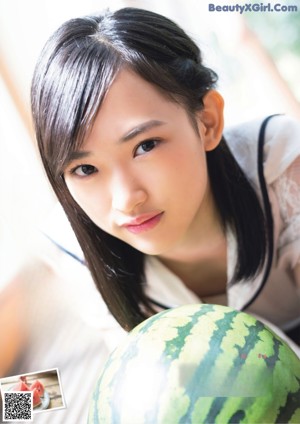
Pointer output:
x,y
257,58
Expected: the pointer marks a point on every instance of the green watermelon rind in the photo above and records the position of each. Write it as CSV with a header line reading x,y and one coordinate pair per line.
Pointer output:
x,y
264,351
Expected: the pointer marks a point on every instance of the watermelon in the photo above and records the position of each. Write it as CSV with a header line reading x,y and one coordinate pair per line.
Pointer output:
x,y
21,387
199,364
36,400
38,386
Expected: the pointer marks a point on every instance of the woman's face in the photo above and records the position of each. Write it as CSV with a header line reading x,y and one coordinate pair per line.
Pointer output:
x,y
141,173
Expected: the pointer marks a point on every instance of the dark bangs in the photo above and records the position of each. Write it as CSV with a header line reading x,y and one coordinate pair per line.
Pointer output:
x,y
76,75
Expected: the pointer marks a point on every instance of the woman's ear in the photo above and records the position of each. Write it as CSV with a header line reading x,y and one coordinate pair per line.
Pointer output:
x,y
211,120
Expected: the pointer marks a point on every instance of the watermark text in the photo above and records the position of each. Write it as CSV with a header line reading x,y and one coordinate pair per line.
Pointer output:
x,y
252,7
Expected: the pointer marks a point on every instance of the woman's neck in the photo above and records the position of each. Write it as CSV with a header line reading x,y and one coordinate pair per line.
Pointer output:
x,y
206,274
201,260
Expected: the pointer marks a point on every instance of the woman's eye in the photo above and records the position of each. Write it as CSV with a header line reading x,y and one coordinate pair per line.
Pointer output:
x,y
146,146
84,170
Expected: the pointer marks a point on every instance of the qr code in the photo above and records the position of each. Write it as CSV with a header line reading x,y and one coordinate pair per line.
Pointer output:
x,y
17,406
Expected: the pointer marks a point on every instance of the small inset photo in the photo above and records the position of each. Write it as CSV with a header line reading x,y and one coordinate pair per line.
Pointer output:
x,y
44,386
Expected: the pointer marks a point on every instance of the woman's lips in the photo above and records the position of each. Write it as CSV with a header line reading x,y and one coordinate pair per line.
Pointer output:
x,y
143,223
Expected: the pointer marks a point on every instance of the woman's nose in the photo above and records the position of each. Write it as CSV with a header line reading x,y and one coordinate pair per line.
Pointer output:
x,y
127,194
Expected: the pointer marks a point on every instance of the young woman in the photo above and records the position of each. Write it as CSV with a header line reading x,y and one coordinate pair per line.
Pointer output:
x,y
167,207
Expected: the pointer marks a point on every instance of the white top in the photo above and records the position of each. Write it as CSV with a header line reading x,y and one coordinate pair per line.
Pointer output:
x,y
72,328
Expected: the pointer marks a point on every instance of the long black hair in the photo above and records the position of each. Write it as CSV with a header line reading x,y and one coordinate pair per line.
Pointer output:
x,y
76,69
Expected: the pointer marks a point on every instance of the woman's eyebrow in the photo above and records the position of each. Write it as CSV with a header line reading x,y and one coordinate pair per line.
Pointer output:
x,y
133,132
77,155
141,128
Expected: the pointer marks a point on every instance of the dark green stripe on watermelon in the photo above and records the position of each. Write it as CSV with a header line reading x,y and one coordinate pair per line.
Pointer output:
x,y
172,351
239,362
174,346
237,417
272,359
194,390
287,411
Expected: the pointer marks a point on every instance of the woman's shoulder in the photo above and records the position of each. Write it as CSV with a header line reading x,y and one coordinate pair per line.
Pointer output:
x,y
281,145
